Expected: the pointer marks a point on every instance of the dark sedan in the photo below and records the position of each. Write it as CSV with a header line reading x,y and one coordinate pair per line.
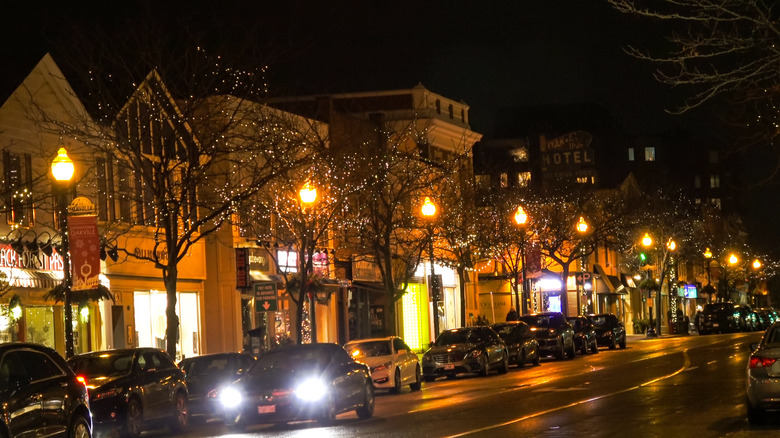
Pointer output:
x,y
40,395
130,389
520,342
465,350
585,337
609,330
206,373
554,334
298,382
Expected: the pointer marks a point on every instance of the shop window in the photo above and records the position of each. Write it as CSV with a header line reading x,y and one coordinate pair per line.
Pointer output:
x,y
151,321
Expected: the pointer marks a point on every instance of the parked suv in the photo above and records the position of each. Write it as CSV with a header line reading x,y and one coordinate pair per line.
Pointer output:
x,y
584,334
520,341
553,333
476,349
718,318
609,330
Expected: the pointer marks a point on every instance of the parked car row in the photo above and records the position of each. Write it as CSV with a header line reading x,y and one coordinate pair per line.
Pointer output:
x,y
727,317
126,391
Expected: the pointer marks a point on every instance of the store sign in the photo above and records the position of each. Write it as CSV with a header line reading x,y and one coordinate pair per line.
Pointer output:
x,y
569,155
242,267
266,298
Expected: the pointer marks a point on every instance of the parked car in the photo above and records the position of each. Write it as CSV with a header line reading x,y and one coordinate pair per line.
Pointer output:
x,y
767,317
203,374
298,382
476,349
554,334
763,376
609,330
133,388
747,318
392,363
585,338
718,318
40,395
520,341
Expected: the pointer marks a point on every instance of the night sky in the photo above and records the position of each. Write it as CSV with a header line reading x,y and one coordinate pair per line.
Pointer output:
x,y
493,55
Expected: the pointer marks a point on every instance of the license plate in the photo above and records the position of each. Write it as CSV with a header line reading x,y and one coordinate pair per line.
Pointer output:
x,y
715,324
449,366
270,409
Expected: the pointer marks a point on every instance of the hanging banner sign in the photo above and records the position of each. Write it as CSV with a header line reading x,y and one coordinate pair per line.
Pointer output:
x,y
84,244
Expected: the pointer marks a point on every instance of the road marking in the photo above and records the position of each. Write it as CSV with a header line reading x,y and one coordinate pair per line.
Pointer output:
x,y
686,364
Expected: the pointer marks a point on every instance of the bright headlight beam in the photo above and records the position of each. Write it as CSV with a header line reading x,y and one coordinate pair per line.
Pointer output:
x,y
311,389
230,397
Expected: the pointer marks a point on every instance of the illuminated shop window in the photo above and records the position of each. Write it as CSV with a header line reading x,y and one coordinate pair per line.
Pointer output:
x,y
412,317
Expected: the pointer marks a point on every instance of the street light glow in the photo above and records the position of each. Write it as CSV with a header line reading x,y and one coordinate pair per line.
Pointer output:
x,y
671,245
582,226
308,194
733,259
521,217
428,208
707,253
756,264
62,166
647,240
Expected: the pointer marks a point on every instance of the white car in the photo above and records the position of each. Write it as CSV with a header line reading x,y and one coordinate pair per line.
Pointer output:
x,y
393,364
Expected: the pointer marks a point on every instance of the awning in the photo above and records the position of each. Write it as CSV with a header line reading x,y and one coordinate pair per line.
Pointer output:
x,y
607,284
373,286
261,277
30,278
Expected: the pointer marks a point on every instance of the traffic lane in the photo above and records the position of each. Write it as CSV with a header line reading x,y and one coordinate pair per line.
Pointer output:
x,y
705,398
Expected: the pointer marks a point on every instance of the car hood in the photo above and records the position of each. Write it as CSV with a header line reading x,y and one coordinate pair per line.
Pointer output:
x,y
97,382
449,349
372,361
277,379
201,385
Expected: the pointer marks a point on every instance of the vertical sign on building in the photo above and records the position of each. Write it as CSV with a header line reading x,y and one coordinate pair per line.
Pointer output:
x,y
242,268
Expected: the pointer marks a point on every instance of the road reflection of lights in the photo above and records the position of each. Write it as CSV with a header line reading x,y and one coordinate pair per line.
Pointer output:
x,y
316,432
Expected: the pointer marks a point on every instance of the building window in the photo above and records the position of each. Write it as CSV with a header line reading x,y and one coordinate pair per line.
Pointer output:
x,y
452,112
715,202
463,115
482,181
649,154
714,181
18,184
697,182
438,106
519,155
714,158
582,180
698,201
504,180
523,179
630,154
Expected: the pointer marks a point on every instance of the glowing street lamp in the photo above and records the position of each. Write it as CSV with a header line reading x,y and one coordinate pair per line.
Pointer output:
x,y
428,210
582,228
521,218
733,260
62,169
756,264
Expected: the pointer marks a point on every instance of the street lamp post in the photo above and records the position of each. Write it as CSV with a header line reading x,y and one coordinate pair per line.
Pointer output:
x,y
429,211
582,228
62,169
308,195
521,218
647,242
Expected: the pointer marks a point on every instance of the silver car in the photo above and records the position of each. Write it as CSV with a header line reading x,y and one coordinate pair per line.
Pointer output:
x,y
763,376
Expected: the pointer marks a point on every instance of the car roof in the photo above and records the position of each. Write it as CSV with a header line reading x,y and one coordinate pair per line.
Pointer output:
x,y
386,338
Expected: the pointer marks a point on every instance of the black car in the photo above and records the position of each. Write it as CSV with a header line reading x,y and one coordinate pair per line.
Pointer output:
x,y
40,395
609,330
554,334
718,318
476,349
585,338
520,341
204,374
298,382
132,388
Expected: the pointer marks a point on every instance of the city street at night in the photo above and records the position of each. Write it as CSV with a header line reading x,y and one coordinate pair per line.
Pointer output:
x,y
673,386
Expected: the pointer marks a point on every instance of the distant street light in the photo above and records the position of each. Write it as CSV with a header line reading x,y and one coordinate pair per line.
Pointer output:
x,y
582,228
428,210
308,195
647,242
62,169
521,304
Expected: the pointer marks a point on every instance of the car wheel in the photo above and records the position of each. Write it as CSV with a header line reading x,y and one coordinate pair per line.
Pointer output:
x,y
623,344
396,382
584,349
571,352
417,385
367,410
134,419
594,348
178,423
537,359
560,353
612,344
504,365
79,428
328,417
522,360
755,415
485,365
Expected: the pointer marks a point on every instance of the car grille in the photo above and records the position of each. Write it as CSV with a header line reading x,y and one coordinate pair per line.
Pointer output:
x,y
447,358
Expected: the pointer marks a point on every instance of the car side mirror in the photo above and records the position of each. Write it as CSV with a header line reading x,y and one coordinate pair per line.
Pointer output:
x,y
431,344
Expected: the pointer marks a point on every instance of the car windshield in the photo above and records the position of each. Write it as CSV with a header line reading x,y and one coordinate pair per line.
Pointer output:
x,y
111,364
207,365
599,321
542,321
369,349
576,323
292,360
718,307
460,336
504,329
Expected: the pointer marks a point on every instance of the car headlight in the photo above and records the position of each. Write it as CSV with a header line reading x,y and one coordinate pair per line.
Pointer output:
x,y
553,332
474,353
311,389
230,397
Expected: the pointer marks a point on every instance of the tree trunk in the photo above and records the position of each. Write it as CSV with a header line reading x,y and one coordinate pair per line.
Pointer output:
x,y
172,329
462,280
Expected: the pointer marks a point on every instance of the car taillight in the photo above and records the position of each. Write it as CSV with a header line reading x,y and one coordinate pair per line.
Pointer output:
x,y
82,379
758,361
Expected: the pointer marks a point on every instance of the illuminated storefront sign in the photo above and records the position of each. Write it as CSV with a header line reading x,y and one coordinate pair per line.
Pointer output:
x,y
413,321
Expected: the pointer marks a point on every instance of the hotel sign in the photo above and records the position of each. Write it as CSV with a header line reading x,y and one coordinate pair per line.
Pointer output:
x,y
568,156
